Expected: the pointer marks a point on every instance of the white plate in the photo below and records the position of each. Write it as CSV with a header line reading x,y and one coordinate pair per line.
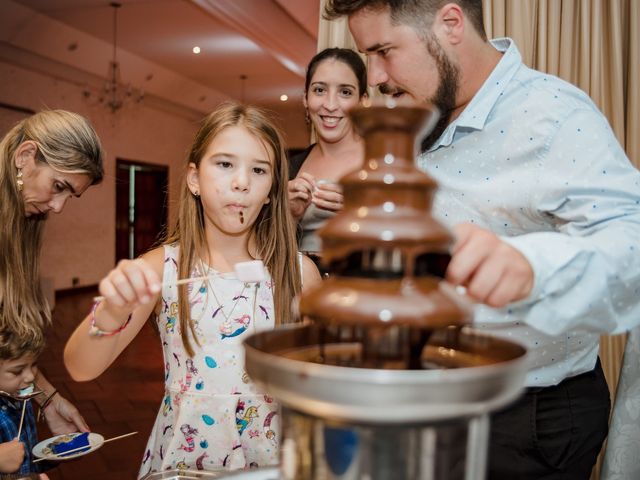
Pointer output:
x,y
44,450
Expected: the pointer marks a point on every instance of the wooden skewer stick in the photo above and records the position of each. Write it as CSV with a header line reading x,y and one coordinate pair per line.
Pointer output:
x,y
64,454
170,284
251,271
24,407
119,437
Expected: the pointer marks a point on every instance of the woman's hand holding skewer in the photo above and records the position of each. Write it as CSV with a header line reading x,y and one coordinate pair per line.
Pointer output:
x,y
328,196
63,417
300,191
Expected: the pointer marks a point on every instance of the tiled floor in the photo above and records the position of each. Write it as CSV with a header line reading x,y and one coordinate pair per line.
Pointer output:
x,y
125,398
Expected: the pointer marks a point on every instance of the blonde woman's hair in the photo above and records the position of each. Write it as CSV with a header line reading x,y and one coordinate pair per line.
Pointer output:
x,y
273,231
67,143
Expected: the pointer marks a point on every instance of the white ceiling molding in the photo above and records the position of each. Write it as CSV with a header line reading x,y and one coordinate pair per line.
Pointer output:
x,y
26,29
269,25
305,12
32,61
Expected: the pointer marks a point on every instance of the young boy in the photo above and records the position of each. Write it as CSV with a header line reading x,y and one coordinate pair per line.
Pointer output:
x,y
18,355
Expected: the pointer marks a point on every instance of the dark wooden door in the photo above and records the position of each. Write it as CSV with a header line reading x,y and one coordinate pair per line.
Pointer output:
x,y
141,207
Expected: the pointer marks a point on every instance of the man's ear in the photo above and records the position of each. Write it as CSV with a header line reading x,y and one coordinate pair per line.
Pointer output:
x,y
25,153
449,23
193,179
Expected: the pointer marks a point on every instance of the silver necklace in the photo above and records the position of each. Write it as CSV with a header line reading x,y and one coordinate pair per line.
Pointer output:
x,y
220,306
220,309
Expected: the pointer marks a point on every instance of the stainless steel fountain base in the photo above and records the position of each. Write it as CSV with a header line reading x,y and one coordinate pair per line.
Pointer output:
x,y
348,423
317,449
277,360
271,473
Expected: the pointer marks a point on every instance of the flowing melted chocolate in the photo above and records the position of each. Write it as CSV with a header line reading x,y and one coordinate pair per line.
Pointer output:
x,y
387,255
423,350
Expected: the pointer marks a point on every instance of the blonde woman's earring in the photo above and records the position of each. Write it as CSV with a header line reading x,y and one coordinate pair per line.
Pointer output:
x,y
307,117
19,180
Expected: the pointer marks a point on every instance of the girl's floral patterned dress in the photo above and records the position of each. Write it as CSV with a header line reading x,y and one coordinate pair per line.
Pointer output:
x,y
212,416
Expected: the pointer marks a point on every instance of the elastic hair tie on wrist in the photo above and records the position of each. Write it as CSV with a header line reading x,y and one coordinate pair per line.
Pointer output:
x,y
95,331
45,404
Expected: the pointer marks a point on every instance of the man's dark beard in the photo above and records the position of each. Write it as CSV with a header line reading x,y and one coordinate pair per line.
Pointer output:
x,y
445,96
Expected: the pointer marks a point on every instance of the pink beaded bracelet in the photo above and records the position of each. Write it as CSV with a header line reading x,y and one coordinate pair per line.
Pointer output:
x,y
95,331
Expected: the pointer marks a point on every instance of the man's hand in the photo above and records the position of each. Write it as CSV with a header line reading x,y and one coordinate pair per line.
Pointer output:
x,y
492,271
11,456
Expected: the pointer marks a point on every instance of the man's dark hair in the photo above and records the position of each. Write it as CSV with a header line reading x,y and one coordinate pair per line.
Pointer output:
x,y
413,13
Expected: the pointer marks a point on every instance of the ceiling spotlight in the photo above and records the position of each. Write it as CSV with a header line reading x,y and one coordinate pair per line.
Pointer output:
x,y
196,50
284,98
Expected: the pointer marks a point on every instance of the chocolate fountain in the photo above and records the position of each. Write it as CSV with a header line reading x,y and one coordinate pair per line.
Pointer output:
x,y
385,380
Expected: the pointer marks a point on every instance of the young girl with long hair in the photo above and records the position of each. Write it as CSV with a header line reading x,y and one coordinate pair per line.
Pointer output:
x,y
233,208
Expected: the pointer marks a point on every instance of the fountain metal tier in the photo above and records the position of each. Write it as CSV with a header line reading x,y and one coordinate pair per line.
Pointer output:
x,y
465,374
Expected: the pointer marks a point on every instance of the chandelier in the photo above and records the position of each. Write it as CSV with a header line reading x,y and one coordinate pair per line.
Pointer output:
x,y
114,93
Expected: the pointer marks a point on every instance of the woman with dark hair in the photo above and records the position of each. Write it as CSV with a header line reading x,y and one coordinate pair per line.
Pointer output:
x,y
44,161
335,83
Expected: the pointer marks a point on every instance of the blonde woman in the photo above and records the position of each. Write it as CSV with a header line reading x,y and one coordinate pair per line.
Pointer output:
x,y
45,160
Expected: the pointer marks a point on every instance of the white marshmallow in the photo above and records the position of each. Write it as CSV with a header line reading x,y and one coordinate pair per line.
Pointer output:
x,y
26,390
251,271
